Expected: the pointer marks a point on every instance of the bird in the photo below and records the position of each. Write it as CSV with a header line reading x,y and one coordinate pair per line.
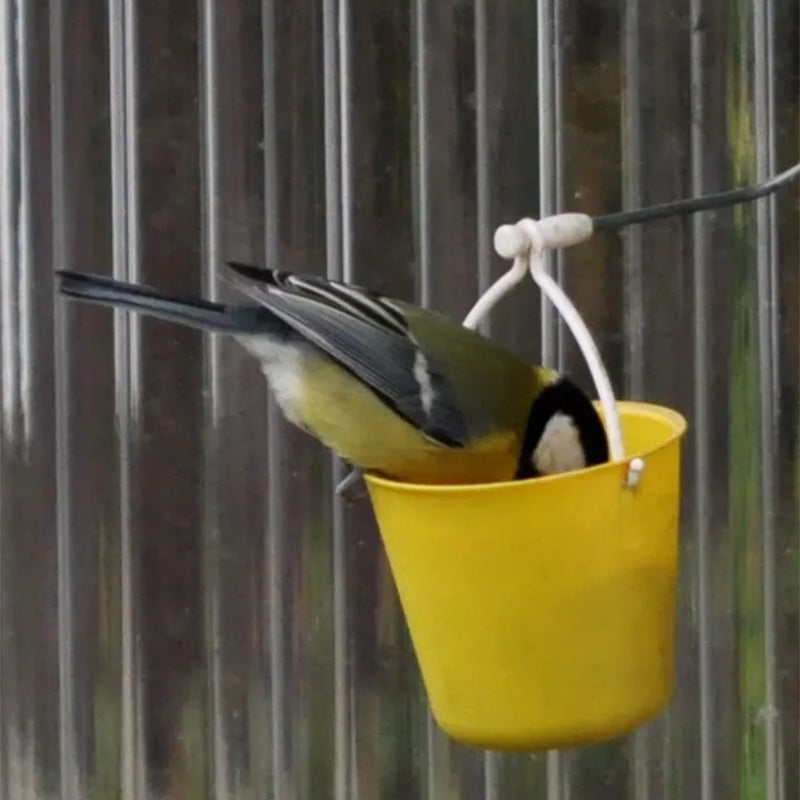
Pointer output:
x,y
394,389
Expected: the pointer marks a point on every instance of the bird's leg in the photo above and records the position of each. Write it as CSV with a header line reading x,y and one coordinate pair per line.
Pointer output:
x,y
351,488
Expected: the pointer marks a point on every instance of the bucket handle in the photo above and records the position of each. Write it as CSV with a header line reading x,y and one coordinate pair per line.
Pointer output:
x,y
525,243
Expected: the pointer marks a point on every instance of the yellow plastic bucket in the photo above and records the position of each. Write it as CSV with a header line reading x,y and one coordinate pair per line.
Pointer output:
x,y
542,612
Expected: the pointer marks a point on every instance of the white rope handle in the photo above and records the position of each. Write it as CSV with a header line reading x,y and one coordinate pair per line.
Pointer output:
x,y
525,242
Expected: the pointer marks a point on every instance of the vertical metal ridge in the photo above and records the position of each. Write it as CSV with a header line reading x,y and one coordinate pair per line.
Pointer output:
x,y
547,100
12,756
9,322
632,198
422,159
125,163
333,192
125,259
702,391
491,776
549,175
276,511
276,559
430,747
633,255
555,767
435,749
764,127
346,207
640,770
69,779
217,779
5,714
270,124
561,332
339,266
345,759
16,279
482,168
772,168
24,229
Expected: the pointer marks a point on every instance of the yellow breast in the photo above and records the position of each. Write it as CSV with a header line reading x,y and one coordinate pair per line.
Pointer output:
x,y
352,420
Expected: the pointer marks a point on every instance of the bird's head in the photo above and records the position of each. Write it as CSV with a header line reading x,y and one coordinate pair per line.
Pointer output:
x,y
564,432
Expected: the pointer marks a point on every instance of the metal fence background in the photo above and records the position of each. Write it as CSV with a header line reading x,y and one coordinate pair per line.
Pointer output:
x,y
185,609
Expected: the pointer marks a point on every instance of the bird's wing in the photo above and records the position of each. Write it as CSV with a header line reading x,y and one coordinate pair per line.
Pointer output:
x,y
367,335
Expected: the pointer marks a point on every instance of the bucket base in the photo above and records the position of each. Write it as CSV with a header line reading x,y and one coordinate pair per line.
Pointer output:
x,y
537,738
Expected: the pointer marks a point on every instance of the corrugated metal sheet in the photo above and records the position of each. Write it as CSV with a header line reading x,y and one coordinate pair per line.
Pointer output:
x,y
186,611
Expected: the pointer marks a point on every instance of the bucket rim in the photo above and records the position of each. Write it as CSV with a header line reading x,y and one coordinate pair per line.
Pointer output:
x,y
652,410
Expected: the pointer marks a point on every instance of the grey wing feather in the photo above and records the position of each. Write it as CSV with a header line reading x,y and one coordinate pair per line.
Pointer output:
x,y
352,300
377,354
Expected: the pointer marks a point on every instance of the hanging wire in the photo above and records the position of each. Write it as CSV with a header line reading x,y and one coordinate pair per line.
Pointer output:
x,y
719,200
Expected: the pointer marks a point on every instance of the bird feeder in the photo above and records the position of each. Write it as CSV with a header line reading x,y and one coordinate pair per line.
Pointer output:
x,y
542,611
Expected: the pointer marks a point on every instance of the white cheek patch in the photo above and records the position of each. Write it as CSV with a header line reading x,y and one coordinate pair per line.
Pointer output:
x,y
559,448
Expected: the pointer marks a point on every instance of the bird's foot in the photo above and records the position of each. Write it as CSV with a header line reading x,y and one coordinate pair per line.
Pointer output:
x,y
351,488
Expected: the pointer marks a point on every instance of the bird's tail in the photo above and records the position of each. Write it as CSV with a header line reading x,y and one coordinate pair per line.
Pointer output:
x,y
196,313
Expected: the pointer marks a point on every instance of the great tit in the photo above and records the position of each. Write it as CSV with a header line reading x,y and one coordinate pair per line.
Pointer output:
x,y
394,389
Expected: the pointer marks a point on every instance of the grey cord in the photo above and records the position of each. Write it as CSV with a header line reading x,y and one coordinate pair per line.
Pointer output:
x,y
622,218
